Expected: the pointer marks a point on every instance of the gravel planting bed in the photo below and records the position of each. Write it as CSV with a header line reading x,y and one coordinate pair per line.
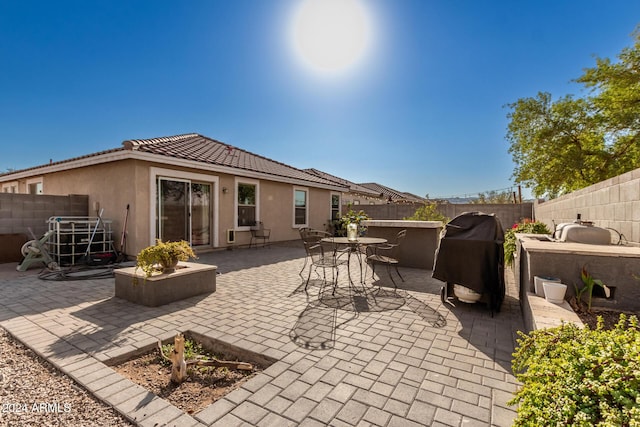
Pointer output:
x,y
34,393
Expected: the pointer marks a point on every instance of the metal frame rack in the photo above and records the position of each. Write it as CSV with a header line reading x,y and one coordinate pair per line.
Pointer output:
x,y
72,235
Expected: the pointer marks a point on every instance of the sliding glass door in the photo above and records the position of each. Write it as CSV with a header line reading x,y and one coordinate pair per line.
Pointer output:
x,y
200,214
184,211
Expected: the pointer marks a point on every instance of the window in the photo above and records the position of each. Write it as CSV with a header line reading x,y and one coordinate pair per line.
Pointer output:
x,y
335,206
300,207
247,206
10,187
34,186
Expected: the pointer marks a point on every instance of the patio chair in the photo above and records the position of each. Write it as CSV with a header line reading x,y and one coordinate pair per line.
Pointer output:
x,y
311,236
387,254
258,232
323,255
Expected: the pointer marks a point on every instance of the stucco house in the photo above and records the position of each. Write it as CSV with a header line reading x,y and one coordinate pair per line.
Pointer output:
x,y
368,193
188,187
389,195
356,193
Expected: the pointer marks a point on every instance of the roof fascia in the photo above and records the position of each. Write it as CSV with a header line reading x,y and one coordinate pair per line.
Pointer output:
x,y
158,158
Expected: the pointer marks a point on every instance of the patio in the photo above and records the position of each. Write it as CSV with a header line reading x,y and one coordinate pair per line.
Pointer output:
x,y
385,359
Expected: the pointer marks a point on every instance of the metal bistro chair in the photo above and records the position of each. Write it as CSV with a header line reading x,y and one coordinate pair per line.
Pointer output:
x,y
388,254
311,236
258,232
323,255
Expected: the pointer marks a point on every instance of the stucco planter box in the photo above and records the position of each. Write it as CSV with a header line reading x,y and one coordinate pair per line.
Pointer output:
x,y
189,279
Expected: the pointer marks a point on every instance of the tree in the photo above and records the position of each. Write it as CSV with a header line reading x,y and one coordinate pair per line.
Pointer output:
x,y
428,212
493,197
567,144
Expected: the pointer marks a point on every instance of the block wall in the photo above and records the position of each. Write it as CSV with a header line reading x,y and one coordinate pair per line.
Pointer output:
x,y
20,211
614,203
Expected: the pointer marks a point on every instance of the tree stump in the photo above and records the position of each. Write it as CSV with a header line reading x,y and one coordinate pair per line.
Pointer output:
x,y
179,365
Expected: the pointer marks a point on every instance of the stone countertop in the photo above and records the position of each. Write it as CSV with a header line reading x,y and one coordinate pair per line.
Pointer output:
x,y
401,223
533,243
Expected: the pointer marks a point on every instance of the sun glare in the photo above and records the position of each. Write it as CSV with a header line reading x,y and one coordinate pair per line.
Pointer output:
x,y
331,36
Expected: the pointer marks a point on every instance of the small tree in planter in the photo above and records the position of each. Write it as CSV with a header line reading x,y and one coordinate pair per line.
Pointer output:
x,y
579,376
163,256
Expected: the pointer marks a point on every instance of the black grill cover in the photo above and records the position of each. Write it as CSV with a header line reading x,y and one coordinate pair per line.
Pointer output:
x,y
471,254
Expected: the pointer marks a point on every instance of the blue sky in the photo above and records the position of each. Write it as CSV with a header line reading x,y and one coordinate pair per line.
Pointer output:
x,y
423,111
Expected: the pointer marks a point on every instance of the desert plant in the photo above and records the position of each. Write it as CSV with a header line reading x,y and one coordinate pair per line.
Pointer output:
x,y
428,212
588,284
527,226
163,256
575,376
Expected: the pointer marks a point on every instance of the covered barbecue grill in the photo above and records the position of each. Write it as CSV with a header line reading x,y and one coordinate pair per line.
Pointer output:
x,y
471,254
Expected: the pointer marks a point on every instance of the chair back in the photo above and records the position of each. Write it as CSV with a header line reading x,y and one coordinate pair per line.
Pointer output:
x,y
321,253
396,247
311,235
258,230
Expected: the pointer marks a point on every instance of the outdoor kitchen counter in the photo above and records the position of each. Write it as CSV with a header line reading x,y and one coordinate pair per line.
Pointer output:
x,y
419,247
532,243
617,266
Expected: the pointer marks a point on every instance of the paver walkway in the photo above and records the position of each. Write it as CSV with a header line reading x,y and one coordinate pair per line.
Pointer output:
x,y
375,359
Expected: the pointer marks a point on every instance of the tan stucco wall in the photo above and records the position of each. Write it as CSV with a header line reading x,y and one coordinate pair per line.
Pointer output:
x,y
110,186
114,185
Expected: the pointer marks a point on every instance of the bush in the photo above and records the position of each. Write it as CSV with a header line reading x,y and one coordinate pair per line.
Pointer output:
x,y
526,226
163,254
579,376
428,212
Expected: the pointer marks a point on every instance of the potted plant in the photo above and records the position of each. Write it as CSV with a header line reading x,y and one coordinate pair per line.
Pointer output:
x,y
353,217
163,256
156,289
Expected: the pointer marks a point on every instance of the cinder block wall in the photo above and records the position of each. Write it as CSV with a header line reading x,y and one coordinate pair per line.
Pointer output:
x,y
18,212
614,203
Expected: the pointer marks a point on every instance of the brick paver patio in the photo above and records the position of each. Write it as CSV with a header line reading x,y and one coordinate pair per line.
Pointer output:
x,y
380,358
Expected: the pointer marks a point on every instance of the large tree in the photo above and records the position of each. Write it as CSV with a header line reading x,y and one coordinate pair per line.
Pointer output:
x,y
567,144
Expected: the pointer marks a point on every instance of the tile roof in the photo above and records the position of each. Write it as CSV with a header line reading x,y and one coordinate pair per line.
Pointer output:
x,y
198,148
396,196
353,187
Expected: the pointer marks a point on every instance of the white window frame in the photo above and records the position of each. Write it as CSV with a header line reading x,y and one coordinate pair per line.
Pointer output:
x,y
7,187
331,204
155,173
307,207
239,180
37,180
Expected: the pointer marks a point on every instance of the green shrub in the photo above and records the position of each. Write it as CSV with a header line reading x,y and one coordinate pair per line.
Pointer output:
x,y
428,212
163,254
579,376
526,226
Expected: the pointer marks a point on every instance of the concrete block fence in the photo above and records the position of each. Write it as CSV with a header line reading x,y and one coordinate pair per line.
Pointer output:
x,y
19,212
614,203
